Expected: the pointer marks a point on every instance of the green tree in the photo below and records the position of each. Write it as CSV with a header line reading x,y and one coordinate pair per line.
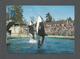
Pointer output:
x,y
69,19
48,17
17,14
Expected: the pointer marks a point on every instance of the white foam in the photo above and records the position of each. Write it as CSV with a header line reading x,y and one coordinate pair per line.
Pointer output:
x,y
32,41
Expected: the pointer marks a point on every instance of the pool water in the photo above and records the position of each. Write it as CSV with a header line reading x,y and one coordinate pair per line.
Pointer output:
x,y
50,46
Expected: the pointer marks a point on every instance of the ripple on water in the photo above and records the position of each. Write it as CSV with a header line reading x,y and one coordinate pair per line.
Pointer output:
x,y
51,45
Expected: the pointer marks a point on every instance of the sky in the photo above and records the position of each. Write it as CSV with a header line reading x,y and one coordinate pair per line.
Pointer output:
x,y
57,12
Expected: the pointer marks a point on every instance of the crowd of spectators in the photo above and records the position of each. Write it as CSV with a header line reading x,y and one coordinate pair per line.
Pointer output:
x,y
64,28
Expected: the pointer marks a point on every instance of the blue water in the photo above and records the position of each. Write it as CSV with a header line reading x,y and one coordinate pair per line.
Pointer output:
x,y
51,45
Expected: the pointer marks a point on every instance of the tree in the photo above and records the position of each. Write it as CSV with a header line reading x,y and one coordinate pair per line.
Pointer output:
x,y
69,19
48,17
17,14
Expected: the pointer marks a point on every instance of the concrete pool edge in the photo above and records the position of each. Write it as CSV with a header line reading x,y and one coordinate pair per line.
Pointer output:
x,y
56,36
53,36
